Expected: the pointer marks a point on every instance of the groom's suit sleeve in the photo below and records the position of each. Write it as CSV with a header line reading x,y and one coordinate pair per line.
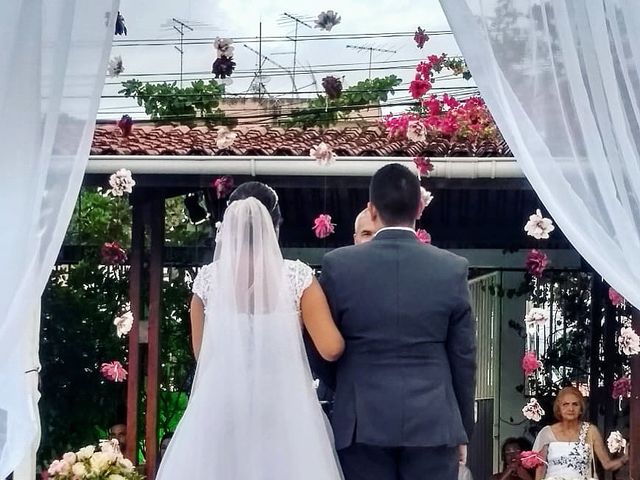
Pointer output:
x,y
461,350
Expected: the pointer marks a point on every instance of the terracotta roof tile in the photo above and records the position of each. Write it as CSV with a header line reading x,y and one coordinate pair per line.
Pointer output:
x,y
176,139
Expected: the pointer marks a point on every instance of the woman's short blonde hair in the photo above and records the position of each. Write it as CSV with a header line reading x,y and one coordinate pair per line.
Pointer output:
x,y
564,392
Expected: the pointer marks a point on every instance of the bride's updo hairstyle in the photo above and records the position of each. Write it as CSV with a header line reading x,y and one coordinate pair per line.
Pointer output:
x,y
264,194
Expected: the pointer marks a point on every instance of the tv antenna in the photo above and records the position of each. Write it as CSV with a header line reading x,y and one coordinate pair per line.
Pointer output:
x,y
179,26
297,21
364,48
263,58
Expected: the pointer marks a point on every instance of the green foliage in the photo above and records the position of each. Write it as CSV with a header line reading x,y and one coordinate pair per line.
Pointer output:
x,y
78,307
167,100
322,112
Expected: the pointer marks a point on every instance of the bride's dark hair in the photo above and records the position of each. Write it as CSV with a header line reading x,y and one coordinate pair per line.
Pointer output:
x,y
264,194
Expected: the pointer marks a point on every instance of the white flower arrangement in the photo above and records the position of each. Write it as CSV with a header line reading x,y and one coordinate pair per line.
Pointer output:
x,y
416,131
225,138
87,463
629,341
121,182
538,226
536,317
533,411
323,154
616,442
124,322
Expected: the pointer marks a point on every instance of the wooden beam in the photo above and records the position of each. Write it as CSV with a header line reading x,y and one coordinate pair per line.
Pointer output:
x,y
157,222
135,292
634,417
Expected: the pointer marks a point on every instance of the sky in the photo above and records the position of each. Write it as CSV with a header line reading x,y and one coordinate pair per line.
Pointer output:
x,y
150,20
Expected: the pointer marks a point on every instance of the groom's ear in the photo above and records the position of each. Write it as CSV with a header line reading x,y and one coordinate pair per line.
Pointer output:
x,y
373,213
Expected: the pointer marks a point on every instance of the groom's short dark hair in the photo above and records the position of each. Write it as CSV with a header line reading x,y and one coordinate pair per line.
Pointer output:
x,y
395,192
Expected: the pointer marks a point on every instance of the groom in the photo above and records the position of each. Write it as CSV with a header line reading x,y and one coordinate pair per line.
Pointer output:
x,y
404,388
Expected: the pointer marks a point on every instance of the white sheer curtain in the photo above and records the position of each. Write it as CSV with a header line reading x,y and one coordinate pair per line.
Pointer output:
x,y
52,68
562,81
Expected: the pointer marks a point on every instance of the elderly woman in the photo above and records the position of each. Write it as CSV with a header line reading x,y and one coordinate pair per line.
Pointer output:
x,y
569,445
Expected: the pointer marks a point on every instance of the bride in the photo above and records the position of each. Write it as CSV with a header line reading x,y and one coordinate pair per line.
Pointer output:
x,y
253,413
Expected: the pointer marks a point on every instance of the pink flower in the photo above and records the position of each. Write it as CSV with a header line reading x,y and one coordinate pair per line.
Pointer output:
x,y
419,87
530,459
423,165
536,262
420,37
322,226
530,363
125,124
323,154
113,371
621,388
615,297
223,186
113,254
423,235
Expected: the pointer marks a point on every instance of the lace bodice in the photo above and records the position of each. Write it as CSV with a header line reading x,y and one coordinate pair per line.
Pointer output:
x,y
299,275
571,460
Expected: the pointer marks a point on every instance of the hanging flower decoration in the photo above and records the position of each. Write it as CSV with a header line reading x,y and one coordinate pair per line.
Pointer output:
x,y
629,341
332,87
322,226
615,298
621,388
533,411
416,132
223,65
537,262
113,254
423,235
530,363
121,182
327,20
223,186
225,138
420,37
323,154
616,442
115,67
121,28
538,226
426,196
536,317
113,371
424,166
124,322
531,459
125,124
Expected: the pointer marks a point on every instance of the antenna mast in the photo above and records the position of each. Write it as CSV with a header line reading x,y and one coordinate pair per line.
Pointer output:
x,y
370,50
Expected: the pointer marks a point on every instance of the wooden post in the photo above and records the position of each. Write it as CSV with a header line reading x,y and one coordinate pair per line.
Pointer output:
x,y
634,416
595,396
157,222
135,291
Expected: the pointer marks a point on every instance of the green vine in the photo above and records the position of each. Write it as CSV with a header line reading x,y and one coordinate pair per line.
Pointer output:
x,y
323,112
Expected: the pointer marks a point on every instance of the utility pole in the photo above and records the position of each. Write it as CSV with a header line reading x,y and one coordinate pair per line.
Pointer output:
x,y
370,50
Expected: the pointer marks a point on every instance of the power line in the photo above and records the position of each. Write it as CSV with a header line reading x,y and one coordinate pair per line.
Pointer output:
x,y
271,39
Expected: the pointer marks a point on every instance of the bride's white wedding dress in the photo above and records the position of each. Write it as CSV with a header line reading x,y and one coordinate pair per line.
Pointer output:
x,y
253,413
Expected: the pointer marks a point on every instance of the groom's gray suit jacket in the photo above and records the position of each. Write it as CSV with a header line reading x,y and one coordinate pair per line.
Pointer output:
x,y
407,376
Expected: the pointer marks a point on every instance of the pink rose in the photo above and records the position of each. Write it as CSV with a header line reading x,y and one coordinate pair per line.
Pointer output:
x,y
616,299
322,226
536,262
423,165
530,363
113,371
223,186
530,459
113,254
423,235
621,388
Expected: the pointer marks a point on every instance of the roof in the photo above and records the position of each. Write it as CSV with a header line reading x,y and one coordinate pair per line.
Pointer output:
x,y
372,141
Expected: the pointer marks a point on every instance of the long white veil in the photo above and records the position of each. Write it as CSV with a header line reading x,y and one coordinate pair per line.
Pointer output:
x,y
253,413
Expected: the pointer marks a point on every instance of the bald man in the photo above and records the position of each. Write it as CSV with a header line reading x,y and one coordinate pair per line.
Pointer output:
x,y
364,228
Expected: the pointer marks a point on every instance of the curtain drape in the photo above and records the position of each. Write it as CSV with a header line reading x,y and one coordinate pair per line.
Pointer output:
x,y
561,79
52,69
